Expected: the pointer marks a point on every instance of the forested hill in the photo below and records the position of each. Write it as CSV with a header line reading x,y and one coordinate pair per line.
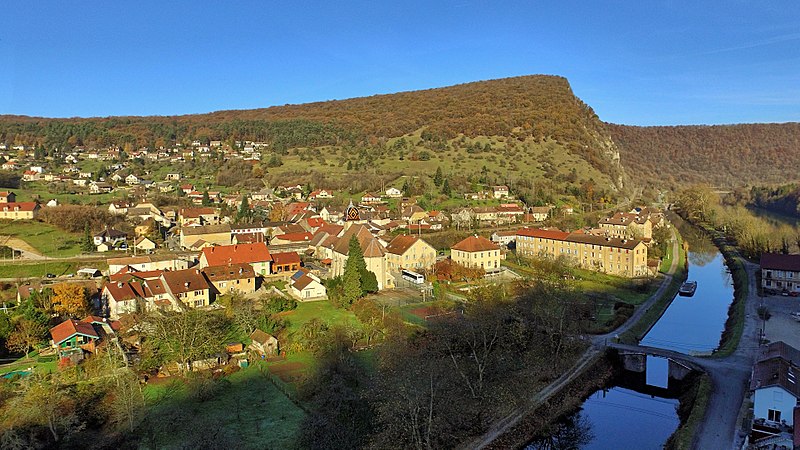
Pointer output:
x,y
721,155
536,107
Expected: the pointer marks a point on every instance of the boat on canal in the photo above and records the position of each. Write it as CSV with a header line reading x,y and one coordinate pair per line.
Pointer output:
x,y
687,289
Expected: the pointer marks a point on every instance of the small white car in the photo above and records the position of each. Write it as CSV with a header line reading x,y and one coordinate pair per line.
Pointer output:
x,y
796,316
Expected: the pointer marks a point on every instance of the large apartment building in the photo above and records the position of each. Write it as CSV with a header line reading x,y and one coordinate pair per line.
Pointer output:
x,y
616,256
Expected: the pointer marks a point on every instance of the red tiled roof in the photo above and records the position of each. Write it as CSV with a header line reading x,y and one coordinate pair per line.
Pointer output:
x,y
295,237
19,206
302,282
69,328
557,235
400,244
229,272
180,281
237,254
778,261
315,222
120,291
584,238
285,258
475,244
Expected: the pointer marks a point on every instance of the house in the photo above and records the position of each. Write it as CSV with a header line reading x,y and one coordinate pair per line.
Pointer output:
x,y
369,199
409,252
500,191
504,237
477,252
189,287
8,197
291,238
306,286
187,188
188,217
210,234
118,208
110,236
285,262
72,337
99,187
774,382
256,254
780,272
320,194
622,257
263,343
174,176
144,244
132,180
31,175
540,213
413,213
147,263
9,165
231,278
394,193
628,225
19,210
122,298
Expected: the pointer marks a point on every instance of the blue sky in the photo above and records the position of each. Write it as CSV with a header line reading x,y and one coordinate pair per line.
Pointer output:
x,y
635,62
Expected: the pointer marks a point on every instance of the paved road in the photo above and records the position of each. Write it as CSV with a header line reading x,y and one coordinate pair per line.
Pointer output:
x,y
719,429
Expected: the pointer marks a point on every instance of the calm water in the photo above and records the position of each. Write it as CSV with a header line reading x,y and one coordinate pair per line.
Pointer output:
x,y
695,324
622,418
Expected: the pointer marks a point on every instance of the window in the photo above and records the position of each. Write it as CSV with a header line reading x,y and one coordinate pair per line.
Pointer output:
x,y
773,415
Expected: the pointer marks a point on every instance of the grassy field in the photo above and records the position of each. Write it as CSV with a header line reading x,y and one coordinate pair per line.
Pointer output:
x,y
323,310
44,192
37,270
506,159
47,239
247,408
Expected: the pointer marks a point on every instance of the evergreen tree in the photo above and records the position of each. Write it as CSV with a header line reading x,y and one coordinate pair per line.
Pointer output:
x,y
369,282
406,188
88,242
206,198
437,178
351,279
244,209
446,188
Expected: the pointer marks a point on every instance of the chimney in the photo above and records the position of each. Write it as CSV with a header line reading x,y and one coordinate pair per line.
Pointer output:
x,y
119,284
186,284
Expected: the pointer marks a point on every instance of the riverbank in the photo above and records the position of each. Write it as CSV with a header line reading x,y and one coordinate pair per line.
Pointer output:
x,y
654,312
540,421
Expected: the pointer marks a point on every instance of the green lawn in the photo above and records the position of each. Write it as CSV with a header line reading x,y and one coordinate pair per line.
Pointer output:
x,y
44,364
47,239
247,407
42,191
323,310
36,270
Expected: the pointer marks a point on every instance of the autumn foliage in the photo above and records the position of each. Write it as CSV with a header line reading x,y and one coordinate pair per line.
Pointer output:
x,y
70,299
449,270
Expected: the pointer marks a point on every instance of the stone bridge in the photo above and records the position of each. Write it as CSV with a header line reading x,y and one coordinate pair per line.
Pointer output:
x,y
634,358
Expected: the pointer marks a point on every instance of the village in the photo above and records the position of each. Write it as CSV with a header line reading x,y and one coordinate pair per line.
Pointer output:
x,y
276,253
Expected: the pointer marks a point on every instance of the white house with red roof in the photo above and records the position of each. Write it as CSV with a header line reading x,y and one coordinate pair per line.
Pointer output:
x,y
320,194
19,210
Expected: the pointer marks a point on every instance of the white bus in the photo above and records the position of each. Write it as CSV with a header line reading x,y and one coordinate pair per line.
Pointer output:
x,y
413,277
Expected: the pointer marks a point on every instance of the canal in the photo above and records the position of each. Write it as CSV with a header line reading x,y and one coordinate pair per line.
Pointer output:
x,y
621,417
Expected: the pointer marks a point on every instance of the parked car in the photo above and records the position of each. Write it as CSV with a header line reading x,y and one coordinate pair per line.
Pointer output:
x,y
796,316
50,275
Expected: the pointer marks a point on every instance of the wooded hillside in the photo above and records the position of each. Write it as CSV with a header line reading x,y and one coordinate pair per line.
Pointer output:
x,y
531,107
723,155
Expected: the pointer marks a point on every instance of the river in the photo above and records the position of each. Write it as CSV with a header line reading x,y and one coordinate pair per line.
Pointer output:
x,y
623,418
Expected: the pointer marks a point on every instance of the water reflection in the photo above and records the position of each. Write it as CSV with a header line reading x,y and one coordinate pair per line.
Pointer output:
x,y
615,418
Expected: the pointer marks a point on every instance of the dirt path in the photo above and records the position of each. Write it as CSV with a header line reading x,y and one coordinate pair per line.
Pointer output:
x,y
595,350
